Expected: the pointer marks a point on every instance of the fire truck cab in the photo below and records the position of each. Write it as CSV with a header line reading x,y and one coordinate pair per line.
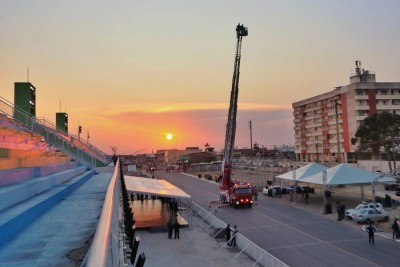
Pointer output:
x,y
238,195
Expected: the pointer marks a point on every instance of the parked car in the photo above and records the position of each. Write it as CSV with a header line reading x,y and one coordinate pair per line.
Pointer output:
x,y
273,191
350,212
368,215
392,186
397,193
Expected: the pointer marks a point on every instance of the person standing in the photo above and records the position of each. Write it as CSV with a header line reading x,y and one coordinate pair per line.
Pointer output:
x,y
176,228
170,227
255,192
306,197
235,231
228,234
342,211
395,228
339,217
114,159
371,231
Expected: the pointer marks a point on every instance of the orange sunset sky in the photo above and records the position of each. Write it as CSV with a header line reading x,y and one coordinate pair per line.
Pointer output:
x,y
130,72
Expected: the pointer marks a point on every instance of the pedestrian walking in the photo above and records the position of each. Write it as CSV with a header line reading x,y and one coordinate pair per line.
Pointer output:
x,y
228,234
176,228
371,231
396,229
235,231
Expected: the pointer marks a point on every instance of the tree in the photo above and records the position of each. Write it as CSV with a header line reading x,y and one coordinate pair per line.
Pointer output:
x,y
208,148
379,132
256,146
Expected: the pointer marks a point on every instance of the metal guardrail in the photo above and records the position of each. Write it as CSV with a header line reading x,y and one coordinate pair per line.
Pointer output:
x,y
106,245
52,136
98,153
259,255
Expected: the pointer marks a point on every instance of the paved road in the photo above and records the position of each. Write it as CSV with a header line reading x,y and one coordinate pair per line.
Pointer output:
x,y
295,236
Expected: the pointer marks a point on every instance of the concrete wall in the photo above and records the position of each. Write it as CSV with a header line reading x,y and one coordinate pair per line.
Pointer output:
x,y
374,165
9,177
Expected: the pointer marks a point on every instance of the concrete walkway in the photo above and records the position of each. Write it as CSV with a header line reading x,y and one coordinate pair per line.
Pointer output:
x,y
196,248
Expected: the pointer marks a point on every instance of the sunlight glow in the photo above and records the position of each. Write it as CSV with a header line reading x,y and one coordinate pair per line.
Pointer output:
x,y
169,136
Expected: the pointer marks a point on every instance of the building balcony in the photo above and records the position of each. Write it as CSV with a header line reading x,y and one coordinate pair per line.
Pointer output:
x,y
361,97
386,97
387,107
361,107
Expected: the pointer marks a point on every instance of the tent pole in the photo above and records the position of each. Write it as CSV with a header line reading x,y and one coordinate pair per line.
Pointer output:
x,y
362,191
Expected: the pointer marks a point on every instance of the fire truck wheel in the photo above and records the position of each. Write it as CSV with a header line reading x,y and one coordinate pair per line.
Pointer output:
x,y
250,205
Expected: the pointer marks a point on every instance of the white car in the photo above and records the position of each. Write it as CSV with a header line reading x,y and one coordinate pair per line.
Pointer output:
x,y
368,215
350,212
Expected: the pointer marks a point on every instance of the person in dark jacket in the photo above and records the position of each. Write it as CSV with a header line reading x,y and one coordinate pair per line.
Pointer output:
x,y
228,233
371,231
339,217
235,231
170,227
176,228
396,229
115,159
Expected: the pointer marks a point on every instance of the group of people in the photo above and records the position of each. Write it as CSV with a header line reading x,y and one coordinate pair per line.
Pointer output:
x,y
173,226
340,208
230,235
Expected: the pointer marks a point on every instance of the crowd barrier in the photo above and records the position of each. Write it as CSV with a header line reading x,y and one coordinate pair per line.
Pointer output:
x,y
259,255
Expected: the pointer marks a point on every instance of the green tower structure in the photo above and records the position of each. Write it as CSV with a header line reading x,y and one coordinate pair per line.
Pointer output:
x,y
62,121
24,101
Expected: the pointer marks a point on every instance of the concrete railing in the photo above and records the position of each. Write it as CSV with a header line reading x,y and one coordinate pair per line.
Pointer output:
x,y
105,248
259,255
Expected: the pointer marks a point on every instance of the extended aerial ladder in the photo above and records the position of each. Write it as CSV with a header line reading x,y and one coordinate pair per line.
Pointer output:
x,y
231,125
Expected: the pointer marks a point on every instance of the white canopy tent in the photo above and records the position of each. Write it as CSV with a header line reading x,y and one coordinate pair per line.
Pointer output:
x,y
154,187
345,174
160,188
305,171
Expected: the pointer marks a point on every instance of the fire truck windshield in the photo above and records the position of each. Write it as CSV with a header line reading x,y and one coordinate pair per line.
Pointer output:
x,y
246,190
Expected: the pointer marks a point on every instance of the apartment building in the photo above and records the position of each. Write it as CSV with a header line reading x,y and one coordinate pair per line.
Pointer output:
x,y
324,124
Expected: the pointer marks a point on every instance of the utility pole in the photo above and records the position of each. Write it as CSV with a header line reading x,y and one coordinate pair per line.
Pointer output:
x,y
251,136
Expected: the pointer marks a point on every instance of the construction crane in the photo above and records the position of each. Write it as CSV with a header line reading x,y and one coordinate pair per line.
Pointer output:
x,y
231,195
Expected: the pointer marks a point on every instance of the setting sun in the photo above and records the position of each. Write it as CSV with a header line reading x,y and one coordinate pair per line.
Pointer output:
x,y
169,136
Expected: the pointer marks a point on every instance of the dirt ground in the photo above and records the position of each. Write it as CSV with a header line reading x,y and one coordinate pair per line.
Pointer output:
x,y
350,195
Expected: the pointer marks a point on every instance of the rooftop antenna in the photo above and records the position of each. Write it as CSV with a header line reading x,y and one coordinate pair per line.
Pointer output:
x,y
358,65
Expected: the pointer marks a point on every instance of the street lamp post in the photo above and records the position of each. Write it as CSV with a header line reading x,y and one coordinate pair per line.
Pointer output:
x,y
373,197
324,179
294,184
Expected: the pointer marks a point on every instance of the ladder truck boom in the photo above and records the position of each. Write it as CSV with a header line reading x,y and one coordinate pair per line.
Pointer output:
x,y
231,124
